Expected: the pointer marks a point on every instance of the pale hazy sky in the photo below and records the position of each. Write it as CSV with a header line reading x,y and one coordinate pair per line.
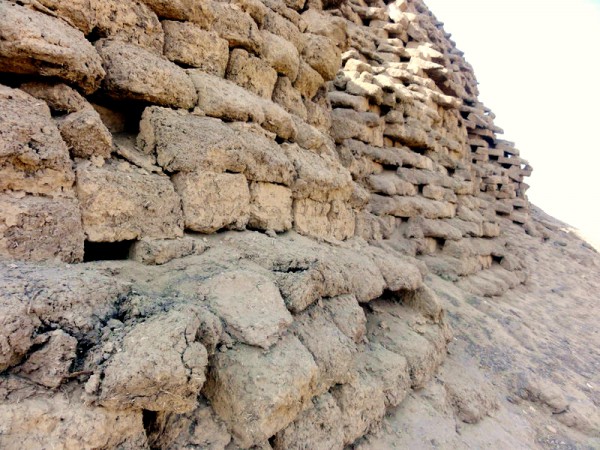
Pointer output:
x,y
538,67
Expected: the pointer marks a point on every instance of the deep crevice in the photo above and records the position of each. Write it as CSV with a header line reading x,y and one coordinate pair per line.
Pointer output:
x,y
151,426
106,251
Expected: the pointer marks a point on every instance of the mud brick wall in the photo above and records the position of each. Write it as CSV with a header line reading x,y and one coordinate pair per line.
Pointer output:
x,y
280,176
131,120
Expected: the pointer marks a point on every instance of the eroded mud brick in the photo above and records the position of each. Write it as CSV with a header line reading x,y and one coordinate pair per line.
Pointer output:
x,y
147,204
33,156
250,306
135,73
213,201
258,393
40,228
270,207
190,45
35,43
251,73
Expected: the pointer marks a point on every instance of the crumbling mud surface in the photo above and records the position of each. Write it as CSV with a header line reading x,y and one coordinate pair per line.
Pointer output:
x,y
274,224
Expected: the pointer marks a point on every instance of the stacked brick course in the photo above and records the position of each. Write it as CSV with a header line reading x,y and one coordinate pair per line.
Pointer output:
x,y
163,126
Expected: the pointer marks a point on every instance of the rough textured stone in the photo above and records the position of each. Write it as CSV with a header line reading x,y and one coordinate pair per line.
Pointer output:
x,y
61,420
33,157
49,366
249,305
85,134
332,350
389,163
342,220
192,10
390,184
400,274
411,207
347,314
387,369
335,28
128,21
57,51
281,26
322,55
278,121
281,54
310,217
40,228
61,98
289,98
160,251
425,300
190,45
323,220
125,20
251,73
135,73
200,428
213,201
310,138
308,80
159,367
120,202
362,404
318,427
236,27
225,99
270,207
188,143
260,393
71,298
17,333
423,347
344,100
350,124
319,177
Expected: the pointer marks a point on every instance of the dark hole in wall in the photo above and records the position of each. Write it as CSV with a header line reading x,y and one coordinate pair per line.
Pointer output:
x,y
94,35
151,427
384,109
148,418
440,242
106,251
332,4
120,116
497,259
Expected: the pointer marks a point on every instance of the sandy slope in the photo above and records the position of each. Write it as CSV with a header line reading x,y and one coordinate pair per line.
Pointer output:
x,y
524,368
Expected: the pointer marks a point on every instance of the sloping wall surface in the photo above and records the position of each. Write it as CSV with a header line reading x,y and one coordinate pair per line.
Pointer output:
x,y
259,190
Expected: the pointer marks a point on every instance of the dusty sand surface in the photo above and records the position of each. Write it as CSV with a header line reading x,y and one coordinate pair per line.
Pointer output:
x,y
523,370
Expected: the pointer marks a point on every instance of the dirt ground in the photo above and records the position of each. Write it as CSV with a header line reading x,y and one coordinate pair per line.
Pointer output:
x,y
523,370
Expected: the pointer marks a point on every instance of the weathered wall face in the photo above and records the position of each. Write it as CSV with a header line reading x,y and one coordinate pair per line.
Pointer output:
x,y
357,121
160,126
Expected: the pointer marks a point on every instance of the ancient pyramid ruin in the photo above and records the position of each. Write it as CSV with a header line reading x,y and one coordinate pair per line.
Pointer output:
x,y
218,219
